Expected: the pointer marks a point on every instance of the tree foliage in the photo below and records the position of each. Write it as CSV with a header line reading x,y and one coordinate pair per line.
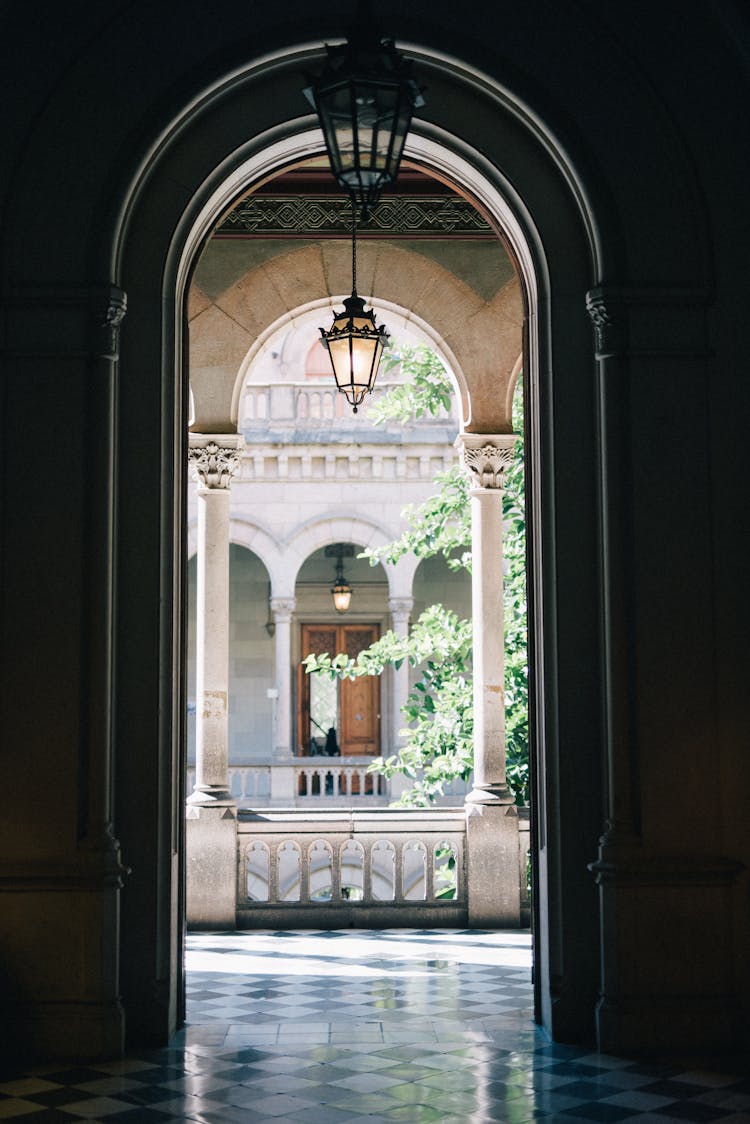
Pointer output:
x,y
438,710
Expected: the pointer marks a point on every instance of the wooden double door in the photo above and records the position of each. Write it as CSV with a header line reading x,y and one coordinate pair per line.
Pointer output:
x,y
351,706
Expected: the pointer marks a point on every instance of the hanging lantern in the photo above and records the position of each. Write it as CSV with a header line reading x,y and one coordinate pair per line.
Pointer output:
x,y
341,591
354,342
365,99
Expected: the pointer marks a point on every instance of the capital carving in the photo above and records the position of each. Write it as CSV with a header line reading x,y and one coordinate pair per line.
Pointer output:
x,y
608,313
401,606
215,464
487,458
283,607
110,304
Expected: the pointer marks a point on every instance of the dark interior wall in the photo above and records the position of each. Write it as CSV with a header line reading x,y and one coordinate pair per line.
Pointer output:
x,y
643,478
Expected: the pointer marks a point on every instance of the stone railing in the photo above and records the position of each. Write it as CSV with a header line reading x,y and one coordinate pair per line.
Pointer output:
x,y
340,859
304,781
338,778
304,403
363,868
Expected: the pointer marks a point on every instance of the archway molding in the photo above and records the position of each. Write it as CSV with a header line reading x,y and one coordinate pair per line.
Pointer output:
x,y
347,528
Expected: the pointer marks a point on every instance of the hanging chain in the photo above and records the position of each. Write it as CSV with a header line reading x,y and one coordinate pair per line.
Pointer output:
x,y
354,246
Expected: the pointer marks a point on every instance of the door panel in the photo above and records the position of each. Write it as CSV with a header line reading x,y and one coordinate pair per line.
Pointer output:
x,y
358,701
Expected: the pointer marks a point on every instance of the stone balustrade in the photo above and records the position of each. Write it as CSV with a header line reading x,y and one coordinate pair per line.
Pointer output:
x,y
336,858
361,867
304,403
321,781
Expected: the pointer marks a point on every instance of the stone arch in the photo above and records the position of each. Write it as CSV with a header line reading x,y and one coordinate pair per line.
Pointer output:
x,y
353,528
475,336
251,536
322,307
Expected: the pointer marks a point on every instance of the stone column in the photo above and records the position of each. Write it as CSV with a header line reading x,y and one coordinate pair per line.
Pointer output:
x,y
400,608
491,818
211,813
282,771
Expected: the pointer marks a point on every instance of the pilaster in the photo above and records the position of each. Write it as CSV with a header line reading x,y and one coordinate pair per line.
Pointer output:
x,y
662,902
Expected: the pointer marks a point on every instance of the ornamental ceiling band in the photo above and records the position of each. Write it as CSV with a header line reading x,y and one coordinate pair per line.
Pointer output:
x,y
295,216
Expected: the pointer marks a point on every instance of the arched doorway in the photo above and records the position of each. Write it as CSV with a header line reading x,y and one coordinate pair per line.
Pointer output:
x,y
560,256
610,166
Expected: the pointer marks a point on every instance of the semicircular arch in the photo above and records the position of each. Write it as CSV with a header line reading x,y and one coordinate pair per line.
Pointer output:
x,y
475,335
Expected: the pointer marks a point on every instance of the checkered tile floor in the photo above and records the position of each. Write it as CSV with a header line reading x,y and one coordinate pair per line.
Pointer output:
x,y
407,1025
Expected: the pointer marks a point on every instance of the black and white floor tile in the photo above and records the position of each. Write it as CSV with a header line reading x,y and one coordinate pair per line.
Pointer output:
x,y
367,1027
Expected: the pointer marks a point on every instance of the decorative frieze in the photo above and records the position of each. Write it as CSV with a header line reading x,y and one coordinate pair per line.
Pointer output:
x,y
487,458
326,217
214,461
292,463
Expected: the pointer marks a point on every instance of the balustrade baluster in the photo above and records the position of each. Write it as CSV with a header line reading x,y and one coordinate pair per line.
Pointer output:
x,y
336,873
399,887
273,872
367,874
429,872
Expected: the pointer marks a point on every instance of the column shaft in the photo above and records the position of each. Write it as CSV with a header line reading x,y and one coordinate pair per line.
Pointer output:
x,y
212,634
492,839
400,608
283,608
488,642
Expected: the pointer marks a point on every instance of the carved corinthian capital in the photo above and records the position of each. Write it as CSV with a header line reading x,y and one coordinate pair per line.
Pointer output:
x,y
486,458
215,460
607,308
283,608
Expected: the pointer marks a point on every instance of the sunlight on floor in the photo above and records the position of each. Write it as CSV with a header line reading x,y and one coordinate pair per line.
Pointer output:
x,y
304,953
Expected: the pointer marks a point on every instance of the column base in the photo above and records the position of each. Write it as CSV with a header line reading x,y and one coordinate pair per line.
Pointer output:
x,y
492,863
211,796
211,861
491,795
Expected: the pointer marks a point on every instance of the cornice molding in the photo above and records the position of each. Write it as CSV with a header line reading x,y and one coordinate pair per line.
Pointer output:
x,y
645,321
644,869
63,321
